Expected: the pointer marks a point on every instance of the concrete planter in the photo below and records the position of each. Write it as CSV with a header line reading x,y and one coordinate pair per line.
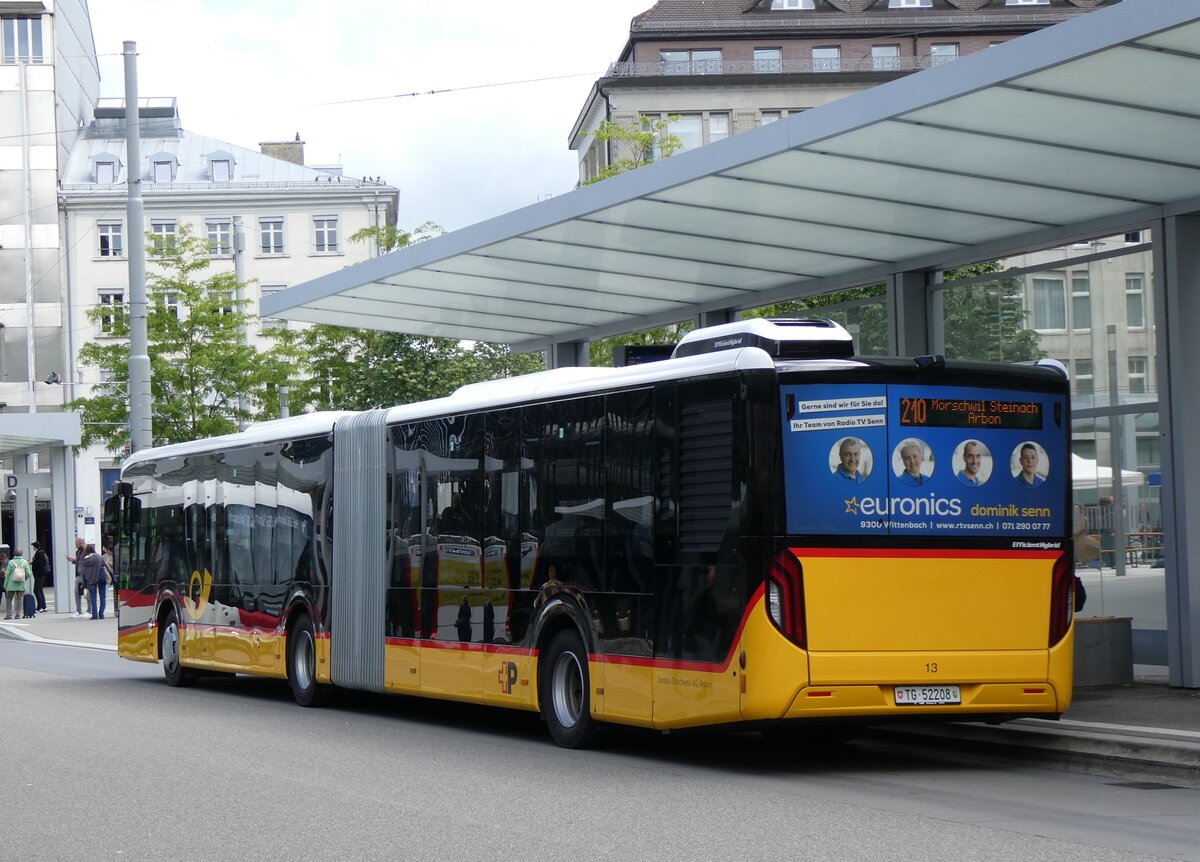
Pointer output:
x,y
1103,651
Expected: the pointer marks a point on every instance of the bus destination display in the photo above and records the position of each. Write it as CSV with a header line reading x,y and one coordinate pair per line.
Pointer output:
x,y
971,413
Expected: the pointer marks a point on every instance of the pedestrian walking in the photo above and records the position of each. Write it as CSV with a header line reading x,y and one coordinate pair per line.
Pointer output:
x,y
41,575
18,575
91,569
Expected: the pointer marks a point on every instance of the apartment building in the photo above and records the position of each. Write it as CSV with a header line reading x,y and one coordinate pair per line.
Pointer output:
x,y
294,220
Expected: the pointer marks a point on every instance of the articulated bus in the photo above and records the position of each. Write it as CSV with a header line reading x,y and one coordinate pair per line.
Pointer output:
x,y
762,531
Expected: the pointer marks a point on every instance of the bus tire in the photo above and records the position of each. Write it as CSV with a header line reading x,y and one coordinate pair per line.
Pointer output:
x,y
169,650
565,692
302,664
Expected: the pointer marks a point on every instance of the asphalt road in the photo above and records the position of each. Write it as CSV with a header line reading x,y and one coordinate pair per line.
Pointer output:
x,y
110,763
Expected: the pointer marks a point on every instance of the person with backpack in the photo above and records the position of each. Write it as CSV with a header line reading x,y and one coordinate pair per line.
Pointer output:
x,y
18,577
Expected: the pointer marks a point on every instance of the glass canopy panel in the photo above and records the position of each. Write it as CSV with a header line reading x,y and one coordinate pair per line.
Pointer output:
x,y
1114,180
476,329
835,249
633,286
526,292
528,324
462,300
1071,123
1135,76
925,186
713,275
897,217
673,243
1183,39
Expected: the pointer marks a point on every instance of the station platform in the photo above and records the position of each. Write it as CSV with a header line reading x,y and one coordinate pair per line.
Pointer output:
x,y
1144,729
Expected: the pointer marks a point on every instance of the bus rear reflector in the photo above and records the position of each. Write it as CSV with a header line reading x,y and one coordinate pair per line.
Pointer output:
x,y
785,596
1062,599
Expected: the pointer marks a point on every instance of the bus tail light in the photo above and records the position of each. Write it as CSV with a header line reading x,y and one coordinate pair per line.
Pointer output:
x,y
1062,598
785,597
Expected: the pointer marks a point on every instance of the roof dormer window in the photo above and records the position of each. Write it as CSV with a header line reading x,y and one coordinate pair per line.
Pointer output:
x,y
909,4
792,4
162,172
106,173
164,167
221,165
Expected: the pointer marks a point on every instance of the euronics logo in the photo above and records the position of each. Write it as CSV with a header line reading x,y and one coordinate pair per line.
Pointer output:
x,y
931,505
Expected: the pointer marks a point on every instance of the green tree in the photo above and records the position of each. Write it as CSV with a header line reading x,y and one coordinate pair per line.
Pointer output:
x,y
982,321
600,351
200,365
360,369
636,146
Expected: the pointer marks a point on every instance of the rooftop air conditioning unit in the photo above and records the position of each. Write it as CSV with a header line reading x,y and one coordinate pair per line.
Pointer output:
x,y
782,338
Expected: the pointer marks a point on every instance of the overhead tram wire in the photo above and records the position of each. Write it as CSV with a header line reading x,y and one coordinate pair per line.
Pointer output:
x,y
453,89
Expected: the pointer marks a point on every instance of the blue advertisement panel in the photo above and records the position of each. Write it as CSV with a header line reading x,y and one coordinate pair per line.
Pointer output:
x,y
905,459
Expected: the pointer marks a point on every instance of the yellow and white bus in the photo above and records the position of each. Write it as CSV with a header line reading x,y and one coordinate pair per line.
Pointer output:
x,y
763,530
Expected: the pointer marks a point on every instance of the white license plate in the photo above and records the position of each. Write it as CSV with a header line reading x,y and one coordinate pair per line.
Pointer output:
x,y
927,695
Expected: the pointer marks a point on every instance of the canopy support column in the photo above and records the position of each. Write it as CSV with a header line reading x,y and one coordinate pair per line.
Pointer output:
x,y
908,314
1177,295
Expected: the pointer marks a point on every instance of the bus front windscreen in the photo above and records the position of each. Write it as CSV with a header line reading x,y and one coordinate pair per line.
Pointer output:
x,y
903,459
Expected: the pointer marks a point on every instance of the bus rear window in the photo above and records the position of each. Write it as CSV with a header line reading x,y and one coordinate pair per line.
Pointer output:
x,y
903,459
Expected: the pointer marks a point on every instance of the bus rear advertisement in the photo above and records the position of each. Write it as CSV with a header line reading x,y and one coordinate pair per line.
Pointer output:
x,y
762,531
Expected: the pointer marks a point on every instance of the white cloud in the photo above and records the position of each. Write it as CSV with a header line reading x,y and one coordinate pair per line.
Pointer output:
x,y
251,72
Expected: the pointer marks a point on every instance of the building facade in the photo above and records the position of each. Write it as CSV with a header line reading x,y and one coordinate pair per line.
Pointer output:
x,y
722,67
295,222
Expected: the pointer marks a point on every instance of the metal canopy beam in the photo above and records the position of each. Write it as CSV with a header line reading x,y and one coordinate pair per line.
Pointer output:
x,y
1086,126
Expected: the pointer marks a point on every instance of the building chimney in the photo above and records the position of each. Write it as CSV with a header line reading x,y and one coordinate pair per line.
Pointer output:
x,y
289,151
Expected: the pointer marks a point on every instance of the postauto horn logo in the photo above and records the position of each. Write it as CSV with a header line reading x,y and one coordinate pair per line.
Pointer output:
x,y
931,505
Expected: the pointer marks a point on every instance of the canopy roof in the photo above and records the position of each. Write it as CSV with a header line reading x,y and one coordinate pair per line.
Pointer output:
x,y
1083,128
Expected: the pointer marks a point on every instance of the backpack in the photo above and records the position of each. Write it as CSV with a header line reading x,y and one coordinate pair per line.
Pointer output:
x,y
20,571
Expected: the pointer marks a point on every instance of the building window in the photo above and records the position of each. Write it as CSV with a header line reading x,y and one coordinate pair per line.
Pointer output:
x,y
909,4
270,322
1081,302
705,61
695,130
163,233
222,171
163,172
1134,237
225,302
792,4
110,239
827,59
768,59
884,58
171,303
770,117
220,237
326,234
1084,382
1049,304
271,231
1026,2
23,40
106,173
943,53
1137,375
112,310
1135,300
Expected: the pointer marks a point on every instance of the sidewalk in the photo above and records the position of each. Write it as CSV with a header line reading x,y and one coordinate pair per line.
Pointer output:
x,y
64,629
1145,729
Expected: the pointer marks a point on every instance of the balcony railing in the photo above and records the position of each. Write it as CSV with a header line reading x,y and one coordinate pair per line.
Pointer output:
x,y
771,67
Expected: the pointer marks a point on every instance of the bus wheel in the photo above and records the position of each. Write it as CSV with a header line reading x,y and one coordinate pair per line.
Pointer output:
x,y
302,664
168,647
565,692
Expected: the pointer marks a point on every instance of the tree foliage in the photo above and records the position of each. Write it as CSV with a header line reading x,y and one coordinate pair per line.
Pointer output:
x,y
204,377
360,369
981,321
634,147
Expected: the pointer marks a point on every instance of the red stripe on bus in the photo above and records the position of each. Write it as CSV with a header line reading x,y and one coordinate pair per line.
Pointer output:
x,y
928,553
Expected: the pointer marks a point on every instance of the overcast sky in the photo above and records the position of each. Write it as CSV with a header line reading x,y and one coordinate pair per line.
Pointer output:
x,y
246,71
